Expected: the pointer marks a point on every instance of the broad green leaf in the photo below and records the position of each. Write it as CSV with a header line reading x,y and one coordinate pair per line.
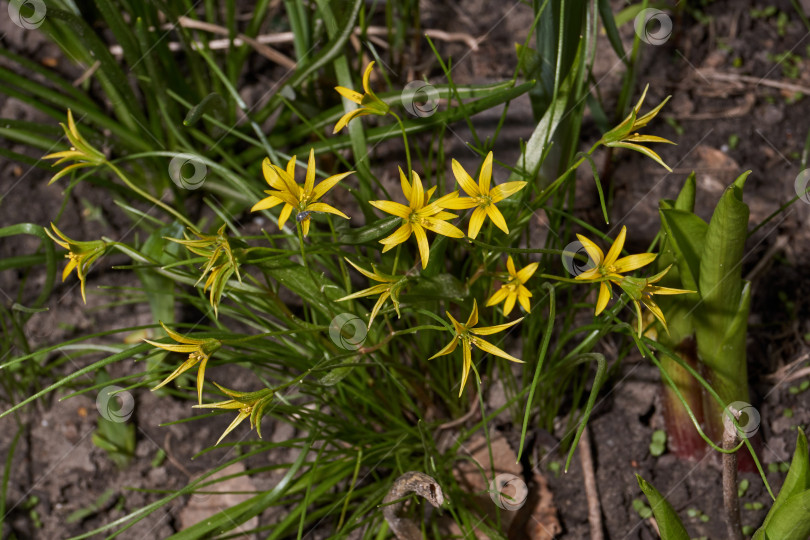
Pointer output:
x,y
529,163
720,280
686,197
440,286
669,524
791,521
335,375
685,234
159,289
314,288
797,479
558,36
368,233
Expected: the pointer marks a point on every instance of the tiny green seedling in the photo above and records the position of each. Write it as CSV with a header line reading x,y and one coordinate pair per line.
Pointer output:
x,y
742,487
642,509
659,443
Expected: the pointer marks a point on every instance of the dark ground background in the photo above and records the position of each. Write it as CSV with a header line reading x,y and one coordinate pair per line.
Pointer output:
x,y
57,463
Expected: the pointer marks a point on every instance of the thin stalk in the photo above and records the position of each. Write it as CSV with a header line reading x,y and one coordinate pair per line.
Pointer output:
x,y
405,141
149,197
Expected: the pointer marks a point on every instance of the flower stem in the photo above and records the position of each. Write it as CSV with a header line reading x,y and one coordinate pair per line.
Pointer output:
x,y
405,140
149,197
549,191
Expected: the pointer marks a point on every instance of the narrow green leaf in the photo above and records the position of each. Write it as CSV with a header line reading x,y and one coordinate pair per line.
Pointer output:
x,y
240,513
606,14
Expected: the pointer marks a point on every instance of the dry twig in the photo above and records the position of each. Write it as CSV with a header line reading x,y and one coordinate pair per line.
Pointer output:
x,y
589,479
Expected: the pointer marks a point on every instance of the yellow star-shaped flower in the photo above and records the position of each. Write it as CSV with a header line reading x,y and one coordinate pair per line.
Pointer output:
x,y
418,216
249,404
389,286
303,199
609,267
467,335
81,152
80,255
513,288
199,351
625,135
481,197
642,290
368,101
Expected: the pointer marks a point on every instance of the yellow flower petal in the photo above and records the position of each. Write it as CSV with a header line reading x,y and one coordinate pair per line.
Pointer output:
x,y
323,207
327,184
502,191
633,262
524,299
476,221
351,95
489,330
367,76
594,253
510,266
369,275
447,349
498,297
422,242
68,267
464,180
465,369
201,379
391,207
285,215
497,218
473,318
461,203
485,176
266,204
442,227
405,185
399,236
509,303
309,181
238,420
616,249
527,272
417,192
604,296
492,349
349,116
